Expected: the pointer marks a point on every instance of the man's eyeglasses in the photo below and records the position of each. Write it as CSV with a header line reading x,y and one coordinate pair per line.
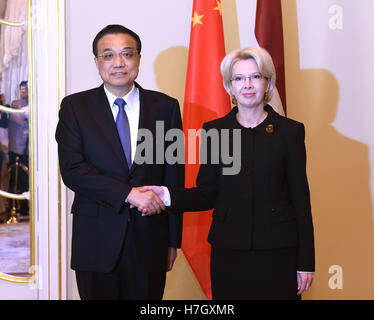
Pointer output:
x,y
127,54
254,77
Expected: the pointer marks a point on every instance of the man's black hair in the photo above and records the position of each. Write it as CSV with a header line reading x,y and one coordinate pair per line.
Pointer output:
x,y
115,29
23,84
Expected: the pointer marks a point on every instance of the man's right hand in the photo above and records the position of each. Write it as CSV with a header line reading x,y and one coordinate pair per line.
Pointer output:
x,y
155,189
148,201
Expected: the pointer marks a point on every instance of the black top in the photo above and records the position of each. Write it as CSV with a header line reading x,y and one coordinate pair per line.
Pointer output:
x,y
266,205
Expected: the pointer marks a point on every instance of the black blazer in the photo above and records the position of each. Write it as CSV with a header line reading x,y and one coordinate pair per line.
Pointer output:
x,y
266,205
93,165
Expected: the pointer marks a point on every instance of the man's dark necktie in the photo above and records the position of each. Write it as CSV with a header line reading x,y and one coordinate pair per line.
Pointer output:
x,y
123,128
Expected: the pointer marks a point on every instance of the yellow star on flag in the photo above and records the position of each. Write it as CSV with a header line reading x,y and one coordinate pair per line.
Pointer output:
x,y
219,7
196,19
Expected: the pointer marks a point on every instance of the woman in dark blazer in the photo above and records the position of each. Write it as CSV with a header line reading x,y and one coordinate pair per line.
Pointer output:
x,y
262,230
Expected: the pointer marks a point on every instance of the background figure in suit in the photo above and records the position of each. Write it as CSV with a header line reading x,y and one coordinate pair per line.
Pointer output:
x,y
116,252
262,230
18,147
3,124
4,184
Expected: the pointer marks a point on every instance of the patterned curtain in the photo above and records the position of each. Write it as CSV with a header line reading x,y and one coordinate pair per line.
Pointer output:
x,y
13,49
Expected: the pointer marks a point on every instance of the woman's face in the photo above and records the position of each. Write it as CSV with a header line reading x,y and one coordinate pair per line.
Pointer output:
x,y
248,85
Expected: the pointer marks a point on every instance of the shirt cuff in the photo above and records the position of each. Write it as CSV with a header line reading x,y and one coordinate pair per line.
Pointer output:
x,y
166,197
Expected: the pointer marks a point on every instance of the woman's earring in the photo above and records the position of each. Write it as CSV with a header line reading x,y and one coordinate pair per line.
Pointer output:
x,y
233,101
266,95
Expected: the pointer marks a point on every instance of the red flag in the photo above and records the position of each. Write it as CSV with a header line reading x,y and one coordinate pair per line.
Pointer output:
x,y
269,34
205,99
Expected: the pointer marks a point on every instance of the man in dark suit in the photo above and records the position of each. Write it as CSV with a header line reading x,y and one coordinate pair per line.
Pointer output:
x,y
18,148
116,252
3,124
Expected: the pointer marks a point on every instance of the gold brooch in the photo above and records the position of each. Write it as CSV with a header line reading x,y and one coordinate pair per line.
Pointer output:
x,y
269,128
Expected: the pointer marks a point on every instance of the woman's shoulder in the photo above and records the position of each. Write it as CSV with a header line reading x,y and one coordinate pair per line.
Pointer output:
x,y
282,121
289,122
222,122
290,129
284,126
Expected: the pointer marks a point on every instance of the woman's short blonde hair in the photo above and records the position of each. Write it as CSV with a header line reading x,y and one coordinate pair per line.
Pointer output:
x,y
260,56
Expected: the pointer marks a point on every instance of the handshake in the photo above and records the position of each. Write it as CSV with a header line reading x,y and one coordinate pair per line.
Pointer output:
x,y
148,199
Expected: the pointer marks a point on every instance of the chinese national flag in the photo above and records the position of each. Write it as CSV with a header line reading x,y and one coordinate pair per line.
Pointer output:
x,y
205,100
269,35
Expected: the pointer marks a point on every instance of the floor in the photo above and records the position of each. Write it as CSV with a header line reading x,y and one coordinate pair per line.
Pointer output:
x,y
15,248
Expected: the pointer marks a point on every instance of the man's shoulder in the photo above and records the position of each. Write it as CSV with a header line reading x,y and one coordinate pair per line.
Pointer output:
x,y
82,94
19,103
156,95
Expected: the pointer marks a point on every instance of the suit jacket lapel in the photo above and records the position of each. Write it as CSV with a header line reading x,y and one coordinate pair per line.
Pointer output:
x,y
146,117
103,116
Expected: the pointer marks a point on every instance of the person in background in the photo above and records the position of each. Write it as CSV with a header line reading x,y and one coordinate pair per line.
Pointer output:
x,y
4,214
18,147
116,252
261,236
3,124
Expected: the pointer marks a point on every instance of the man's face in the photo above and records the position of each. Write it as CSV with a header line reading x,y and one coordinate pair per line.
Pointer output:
x,y
120,73
24,91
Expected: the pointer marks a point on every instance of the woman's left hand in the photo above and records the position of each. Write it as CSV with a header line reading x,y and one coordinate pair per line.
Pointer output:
x,y
304,281
172,255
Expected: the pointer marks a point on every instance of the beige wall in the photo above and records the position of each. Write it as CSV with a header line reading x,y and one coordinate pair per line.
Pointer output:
x,y
329,77
328,73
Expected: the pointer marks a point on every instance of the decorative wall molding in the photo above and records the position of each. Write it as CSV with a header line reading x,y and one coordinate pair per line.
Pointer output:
x,y
48,88
46,49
